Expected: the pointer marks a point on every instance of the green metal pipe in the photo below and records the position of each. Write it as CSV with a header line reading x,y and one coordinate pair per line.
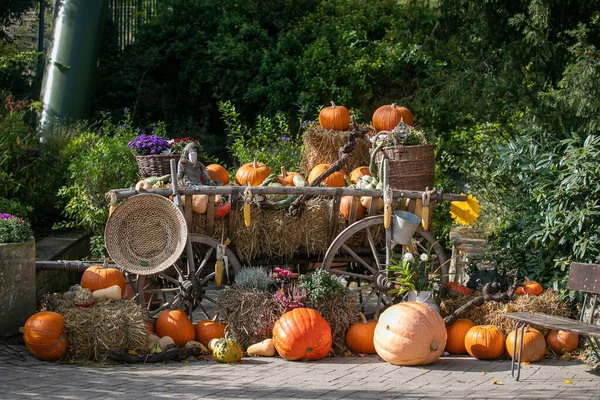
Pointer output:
x,y
68,82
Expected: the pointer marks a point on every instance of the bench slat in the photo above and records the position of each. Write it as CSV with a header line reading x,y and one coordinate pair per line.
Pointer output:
x,y
584,278
555,322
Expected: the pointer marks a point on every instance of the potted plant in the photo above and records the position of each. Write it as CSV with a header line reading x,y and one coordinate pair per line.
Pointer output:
x,y
152,154
413,276
17,273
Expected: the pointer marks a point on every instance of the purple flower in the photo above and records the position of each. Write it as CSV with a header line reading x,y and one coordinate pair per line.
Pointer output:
x,y
5,216
148,144
285,139
125,110
123,127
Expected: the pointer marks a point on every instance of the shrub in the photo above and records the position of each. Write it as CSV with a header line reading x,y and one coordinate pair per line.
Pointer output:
x,y
14,229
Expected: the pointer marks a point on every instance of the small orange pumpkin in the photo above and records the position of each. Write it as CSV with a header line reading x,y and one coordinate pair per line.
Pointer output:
x,y
334,117
287,178
410,333
97,277
359,337
302,333
534,345
359,172
209,329
254,173
456,336
485,342
346,207
337,179
177,325
520,291
44,335
218,173
385,118
532,287
458,288
562,341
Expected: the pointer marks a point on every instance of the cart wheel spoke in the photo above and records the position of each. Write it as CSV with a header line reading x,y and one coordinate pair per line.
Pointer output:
x,y
358,258
204,262
373,249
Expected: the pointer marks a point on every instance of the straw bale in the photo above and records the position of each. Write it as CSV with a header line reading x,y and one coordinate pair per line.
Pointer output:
x,y
274,233
249,314
322,146
108,324
340,312
489,313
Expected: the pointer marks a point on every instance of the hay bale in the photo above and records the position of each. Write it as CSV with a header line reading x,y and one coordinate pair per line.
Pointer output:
x,y
322,146
249,314
274,233
107,325
490,312
340,312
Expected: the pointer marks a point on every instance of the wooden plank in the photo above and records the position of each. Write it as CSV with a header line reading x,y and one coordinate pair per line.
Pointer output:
x,y
411,206
354,210
188,212
584,278
555,322
210,215
287,190
335,210
233,212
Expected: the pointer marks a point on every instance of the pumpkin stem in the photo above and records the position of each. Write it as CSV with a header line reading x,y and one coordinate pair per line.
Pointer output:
x,y
363,318
284,173
215,317
393,105
333,105
254,164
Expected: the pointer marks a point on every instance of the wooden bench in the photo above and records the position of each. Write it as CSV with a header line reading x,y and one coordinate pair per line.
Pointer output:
x,y
584,278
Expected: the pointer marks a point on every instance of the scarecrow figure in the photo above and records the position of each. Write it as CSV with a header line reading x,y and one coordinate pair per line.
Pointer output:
x,y
191,171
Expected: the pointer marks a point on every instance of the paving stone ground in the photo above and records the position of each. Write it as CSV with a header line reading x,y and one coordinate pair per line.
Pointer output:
x,y
22,376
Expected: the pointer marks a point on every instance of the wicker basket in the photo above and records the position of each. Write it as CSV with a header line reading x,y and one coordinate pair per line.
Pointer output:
x,y
155,164
411,167
145,234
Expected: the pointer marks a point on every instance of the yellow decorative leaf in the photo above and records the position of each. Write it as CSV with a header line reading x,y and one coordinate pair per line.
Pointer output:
x,y
465,212
347,353
483,373
131,352
497,382
568,381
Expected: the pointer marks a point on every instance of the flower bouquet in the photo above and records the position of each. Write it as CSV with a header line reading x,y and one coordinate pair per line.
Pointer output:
x,y
152,155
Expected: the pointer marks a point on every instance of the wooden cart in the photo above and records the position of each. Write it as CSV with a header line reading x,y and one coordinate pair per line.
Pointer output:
x,y
362,263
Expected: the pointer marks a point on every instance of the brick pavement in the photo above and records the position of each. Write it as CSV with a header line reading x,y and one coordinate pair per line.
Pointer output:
x,y
22,377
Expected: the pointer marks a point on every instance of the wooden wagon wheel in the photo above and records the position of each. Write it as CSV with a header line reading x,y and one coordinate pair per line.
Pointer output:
x,y
178,288
367,268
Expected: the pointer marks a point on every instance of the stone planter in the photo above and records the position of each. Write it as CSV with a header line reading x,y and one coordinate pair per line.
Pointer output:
x,y
17,283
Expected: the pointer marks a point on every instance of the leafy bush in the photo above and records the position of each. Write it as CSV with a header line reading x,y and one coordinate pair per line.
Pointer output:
x,y
98,161
14,229
14,207
270,141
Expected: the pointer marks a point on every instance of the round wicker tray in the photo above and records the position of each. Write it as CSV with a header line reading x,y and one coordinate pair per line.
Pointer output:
x,y
145,234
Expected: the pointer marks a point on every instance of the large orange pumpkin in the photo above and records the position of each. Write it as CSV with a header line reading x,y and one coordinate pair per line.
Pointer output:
x,y
385,118
337,179
218,173
287,178
177,325
346,207
302,333
96,277
209,329
456,336
485,342
44,335
359,337
534,345
254,173
410,333
562,341
334,117
359,172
